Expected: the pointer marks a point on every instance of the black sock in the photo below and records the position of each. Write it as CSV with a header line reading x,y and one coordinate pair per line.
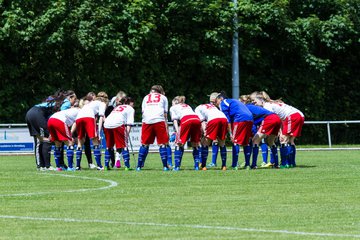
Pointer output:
x,y
46,153
87,150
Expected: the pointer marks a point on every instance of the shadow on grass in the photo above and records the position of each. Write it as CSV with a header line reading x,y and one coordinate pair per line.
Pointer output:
x,y
211,169
305,166
297,166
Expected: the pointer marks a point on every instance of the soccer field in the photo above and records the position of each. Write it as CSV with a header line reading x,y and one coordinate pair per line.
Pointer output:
x,y
320,199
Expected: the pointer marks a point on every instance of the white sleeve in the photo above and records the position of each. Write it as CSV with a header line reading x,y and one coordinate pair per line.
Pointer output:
x,y
130,116
102,108
143,104
166,104
172,114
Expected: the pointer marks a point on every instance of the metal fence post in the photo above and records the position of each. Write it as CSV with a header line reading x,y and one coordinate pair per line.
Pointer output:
x,y
329,133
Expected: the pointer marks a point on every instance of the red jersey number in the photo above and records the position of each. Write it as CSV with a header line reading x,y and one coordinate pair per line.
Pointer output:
x,y
119,108
208,106
153,98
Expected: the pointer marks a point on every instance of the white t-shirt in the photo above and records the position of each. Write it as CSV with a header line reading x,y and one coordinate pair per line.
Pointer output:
x,y
92,109
180,110
154,106
67,116
121,115
208,112
281,109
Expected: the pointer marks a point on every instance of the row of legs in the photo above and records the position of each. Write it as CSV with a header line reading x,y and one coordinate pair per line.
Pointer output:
x,y
200,155
43,154
287,155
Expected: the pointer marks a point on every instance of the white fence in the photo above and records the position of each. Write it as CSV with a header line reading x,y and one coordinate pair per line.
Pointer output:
x,y
15,137
328,123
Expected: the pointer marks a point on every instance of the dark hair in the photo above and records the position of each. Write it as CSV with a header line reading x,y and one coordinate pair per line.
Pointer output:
x,y
60,96
69,93
126,100
90,96
129,100
57,99
158,89
222,94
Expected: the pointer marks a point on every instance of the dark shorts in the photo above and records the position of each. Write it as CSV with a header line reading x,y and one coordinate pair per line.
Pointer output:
x,y
36,120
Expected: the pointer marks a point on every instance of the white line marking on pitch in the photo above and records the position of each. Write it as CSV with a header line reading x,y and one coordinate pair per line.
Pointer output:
x,y
181,225
111,184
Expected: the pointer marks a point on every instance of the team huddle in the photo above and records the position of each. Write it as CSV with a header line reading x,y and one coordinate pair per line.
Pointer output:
x,y
252,121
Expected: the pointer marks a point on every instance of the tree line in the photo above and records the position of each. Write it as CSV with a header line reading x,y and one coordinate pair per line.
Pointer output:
x,y
305,52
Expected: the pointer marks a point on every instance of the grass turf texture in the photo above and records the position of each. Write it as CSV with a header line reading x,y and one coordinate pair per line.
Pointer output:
x,y
317,200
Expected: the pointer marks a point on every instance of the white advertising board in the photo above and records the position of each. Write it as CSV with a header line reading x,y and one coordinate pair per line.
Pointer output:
x,y
16,140
135,140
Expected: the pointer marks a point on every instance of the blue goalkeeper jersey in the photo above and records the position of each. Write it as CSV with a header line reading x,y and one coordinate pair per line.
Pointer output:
x,y
47,108
65,105
258,113
235,111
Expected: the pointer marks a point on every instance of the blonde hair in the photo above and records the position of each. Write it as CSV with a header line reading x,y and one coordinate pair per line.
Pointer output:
x,y
213,96
245,99
179,99
182,99
175,100
103,97
264,97
82,102
254,95
120,95
267,98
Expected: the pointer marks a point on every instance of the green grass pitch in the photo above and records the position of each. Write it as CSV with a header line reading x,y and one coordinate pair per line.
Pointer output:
x,y
320,199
